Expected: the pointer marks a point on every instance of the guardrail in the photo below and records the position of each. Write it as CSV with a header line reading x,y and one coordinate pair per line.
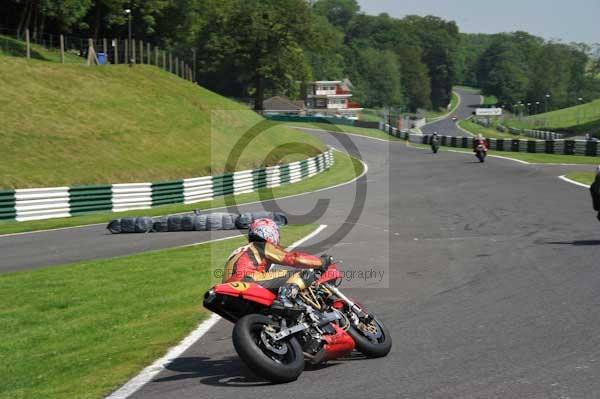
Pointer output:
x,y
392,131
589,148
536,134
558,147
56,202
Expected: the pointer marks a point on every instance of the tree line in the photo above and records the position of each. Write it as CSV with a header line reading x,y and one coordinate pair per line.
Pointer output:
x,y
262,47
521,68
258,48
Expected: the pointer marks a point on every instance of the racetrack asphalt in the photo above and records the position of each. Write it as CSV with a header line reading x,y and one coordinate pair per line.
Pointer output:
x,y
447,127
491,288
490,283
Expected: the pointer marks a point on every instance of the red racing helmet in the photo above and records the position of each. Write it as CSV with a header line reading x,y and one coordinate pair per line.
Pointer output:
x,y
264,230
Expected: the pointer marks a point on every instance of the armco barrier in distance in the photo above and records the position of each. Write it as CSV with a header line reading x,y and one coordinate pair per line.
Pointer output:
x,y
56,202
588,148
558,147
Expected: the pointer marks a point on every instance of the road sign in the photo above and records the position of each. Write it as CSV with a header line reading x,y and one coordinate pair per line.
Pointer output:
x,y
488,111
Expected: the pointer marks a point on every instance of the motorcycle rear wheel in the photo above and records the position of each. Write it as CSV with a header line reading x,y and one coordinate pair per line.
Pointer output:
x,y
262,361
371,348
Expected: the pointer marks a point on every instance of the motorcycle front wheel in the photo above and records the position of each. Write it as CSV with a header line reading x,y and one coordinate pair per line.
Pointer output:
x,y
371,338
279,362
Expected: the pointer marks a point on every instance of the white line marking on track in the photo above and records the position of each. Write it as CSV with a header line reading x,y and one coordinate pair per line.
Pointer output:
x,y
158,365
566,179
468,153
149,372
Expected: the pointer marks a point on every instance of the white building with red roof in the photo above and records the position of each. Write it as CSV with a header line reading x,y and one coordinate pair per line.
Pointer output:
x,y
331,98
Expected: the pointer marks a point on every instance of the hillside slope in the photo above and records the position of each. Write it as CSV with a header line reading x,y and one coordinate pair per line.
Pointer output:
x,y
72,124
579,119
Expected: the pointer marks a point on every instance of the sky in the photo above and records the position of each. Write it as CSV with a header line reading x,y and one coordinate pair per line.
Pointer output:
x,y
568,20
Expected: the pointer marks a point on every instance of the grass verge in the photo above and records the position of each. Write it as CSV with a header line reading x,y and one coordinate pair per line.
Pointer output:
x,y
344,169
584,118
370,115
376,133
431,115
468,89
582,177
488,132
16,48
490,100
81,330
65,125
528,157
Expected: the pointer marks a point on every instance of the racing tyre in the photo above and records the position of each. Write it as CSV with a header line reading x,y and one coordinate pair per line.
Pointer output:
x,y
279,362
372,339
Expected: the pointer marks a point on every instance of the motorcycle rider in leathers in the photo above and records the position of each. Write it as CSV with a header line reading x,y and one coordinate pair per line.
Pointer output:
x,y
479,140
252,263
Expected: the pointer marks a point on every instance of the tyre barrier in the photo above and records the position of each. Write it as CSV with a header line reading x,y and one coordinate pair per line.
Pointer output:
x,y
558,147
56,202
192,222
392,131
536,134
589,148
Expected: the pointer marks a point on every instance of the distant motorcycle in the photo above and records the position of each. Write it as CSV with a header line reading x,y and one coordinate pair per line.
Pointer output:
x,y
435,144
481,152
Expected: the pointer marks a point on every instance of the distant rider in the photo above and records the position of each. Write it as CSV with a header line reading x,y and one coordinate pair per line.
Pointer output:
x,y
435,142
479,140
252,263
595,192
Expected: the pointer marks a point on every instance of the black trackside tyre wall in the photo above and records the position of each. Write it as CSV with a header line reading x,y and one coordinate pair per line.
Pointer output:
x,y
367,347
256,360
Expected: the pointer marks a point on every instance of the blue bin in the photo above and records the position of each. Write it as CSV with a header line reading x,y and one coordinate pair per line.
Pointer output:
x,y
101,58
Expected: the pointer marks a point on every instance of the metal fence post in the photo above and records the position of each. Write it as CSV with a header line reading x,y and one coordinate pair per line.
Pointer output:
x,y
127,56
164,59
62,49
105,49
170,62
148,54
155,55
176,65
194,66
28,43
133,51
116,50
141,51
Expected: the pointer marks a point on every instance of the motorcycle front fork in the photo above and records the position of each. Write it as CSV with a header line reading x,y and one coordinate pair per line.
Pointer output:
x,y
351,305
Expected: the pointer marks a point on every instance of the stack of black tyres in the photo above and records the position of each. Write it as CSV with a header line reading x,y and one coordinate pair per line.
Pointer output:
x,y
245,219
140,224
192,222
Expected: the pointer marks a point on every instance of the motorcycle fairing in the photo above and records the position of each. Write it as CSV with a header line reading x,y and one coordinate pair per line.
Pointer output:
x,y
331,274
338,344
248,291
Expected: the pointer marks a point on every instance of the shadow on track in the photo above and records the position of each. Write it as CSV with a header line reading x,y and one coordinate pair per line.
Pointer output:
x,y
225,372
580,243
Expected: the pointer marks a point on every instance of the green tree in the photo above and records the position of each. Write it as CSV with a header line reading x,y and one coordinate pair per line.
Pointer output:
x,y
439,41
376,77
501,73
338,12
262,41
